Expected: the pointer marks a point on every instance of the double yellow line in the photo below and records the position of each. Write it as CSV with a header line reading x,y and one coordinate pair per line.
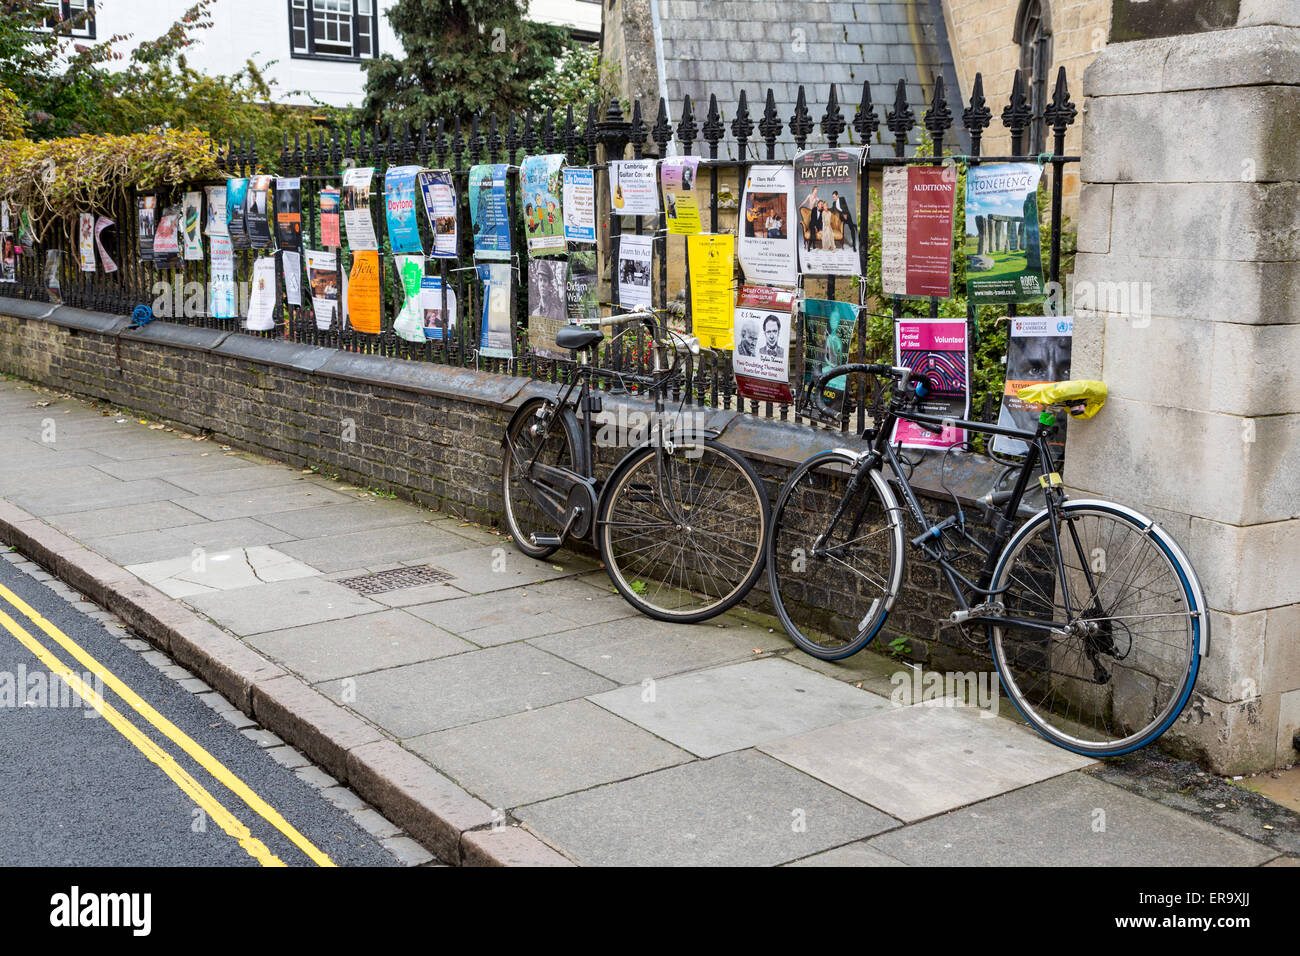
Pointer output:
x,y
156,754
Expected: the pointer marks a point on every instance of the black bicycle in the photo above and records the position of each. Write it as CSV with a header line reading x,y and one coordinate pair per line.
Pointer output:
x,y
680,522
1094,616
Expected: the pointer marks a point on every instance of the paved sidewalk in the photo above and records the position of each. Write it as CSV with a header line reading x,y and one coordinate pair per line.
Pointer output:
x,y
612,737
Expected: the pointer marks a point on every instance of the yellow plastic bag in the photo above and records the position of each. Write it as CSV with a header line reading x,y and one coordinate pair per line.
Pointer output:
x,y
1084,397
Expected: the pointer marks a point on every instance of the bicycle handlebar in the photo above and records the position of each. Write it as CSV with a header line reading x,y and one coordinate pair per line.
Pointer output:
x,y
920,385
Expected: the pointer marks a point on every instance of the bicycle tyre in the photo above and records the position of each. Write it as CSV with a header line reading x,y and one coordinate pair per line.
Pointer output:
x,y
560,446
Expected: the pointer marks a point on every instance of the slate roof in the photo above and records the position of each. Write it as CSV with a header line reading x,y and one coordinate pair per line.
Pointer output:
x,y
724,46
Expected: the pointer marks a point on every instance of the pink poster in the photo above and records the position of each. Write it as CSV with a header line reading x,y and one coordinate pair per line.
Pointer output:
x,y
935,348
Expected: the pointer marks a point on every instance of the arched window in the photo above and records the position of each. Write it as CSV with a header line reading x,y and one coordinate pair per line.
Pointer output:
x,y
1034,37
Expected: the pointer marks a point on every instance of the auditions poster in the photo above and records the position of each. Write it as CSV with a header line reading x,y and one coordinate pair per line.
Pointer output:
x,y
489,212
363,291
761,359
101,224
192,224
766,244
409,321
547,306
221,277
916,230
236,195
261,298
437,314
323,280
633,187
439,195
288,213
828,328
216,224
936,348
355,203
710,258
86,241
495,340
679,178
579,205
257,212
541,190
635,254
826,194
329,218
1038,351
1004,259
146,210
399,208
582,287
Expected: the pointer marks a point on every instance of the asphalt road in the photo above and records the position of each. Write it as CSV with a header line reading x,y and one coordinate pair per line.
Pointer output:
x,y
78,789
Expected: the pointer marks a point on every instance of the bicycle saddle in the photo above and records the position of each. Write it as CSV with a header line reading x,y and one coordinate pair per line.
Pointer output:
x,y
578,337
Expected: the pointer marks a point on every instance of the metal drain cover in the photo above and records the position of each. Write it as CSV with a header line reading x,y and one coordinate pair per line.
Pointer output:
x,y
396,579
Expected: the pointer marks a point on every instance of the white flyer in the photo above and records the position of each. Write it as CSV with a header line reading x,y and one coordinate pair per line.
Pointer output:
x,y
261,300
633,187
323,280
635,256
292,276
217,223
357,221
765,246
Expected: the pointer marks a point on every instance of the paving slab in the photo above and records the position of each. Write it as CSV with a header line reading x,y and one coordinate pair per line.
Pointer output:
x,y
411,597
512,606
344,518
102,522
1072,820
273,607
914,762
221,570
107,492
860,853
174,465
250,477
413,542
436,695
30,478
356,645
499,567
141,547
543,753
741,809
262,500
713,711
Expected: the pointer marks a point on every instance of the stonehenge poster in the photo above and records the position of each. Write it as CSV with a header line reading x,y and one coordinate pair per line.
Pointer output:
x,y
916,231
1004,261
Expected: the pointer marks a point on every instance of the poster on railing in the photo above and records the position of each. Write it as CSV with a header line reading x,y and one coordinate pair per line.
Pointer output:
x,y
541,192
439,195
633,187
8,258
1004,260
323,279
432,301
635,254
712,305
495,341
488,211
547,306
363,291
399,209
761,358
236,195
257,214
26,233
409,321
216,223
261,297
827,340
582,287
101,224
937,349
355,201
167,238
86,241
1038,351
291,265
579,204
766,244
53,265
288,213
329,218
146,208
221,277
191,225
916,213
680,179
826,193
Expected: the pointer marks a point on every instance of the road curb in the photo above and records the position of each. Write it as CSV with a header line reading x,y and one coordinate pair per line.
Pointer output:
x,y
448,821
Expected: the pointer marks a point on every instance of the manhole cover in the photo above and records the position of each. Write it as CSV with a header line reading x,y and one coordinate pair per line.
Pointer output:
x,y
397,579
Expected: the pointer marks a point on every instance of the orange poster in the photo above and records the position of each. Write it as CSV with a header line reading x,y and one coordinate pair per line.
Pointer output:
x,y
363,291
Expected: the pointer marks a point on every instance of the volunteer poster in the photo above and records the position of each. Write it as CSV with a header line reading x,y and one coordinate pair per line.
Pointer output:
x,y
146,208
766,244
292,264
329,218
261,298
709,258
581,290
579,205
86,241
1004,261
431,298
761,359
826,194
488,211
540,190
937,349
409,321
288,213
323,280
399,208
236,195
635,254
916,230
363,291
101,224
828,328
547,306
439,195
355,203
633,187
191,224
216,224
495,340
679,177
1038,351
221,277
257,212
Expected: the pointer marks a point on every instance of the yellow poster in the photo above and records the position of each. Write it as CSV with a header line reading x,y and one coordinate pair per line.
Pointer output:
x,y
712,308
363,291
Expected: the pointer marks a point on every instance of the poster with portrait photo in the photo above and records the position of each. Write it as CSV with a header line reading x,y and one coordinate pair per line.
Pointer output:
x,y
936,348
439,196
826,198
257,216
8,258
1038,351
323,280
541,200
355,202
547,306
635,254
146,218
679,178
495,339
765,246
216,224
432,301
761,357
288,213
582,287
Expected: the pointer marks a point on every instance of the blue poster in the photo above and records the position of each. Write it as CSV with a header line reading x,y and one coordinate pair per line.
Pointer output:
x,y
541,192
431,302
495,341
236,193
440,207
488,213
399,203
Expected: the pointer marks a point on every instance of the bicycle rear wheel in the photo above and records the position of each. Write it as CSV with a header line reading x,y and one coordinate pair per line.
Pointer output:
x,y
1120,667
537,435
693,569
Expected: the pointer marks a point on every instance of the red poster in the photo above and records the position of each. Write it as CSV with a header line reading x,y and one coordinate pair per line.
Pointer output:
x,y
917,231
329,217
935,348
761,355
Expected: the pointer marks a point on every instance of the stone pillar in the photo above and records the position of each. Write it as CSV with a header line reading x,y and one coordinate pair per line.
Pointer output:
x,y
1015,237
979,229
1185,300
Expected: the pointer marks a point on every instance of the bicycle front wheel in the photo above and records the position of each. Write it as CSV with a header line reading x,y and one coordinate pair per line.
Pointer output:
x,y
1119,663
681,534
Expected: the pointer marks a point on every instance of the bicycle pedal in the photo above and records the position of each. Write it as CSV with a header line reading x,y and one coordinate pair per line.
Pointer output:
x,y
545,540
